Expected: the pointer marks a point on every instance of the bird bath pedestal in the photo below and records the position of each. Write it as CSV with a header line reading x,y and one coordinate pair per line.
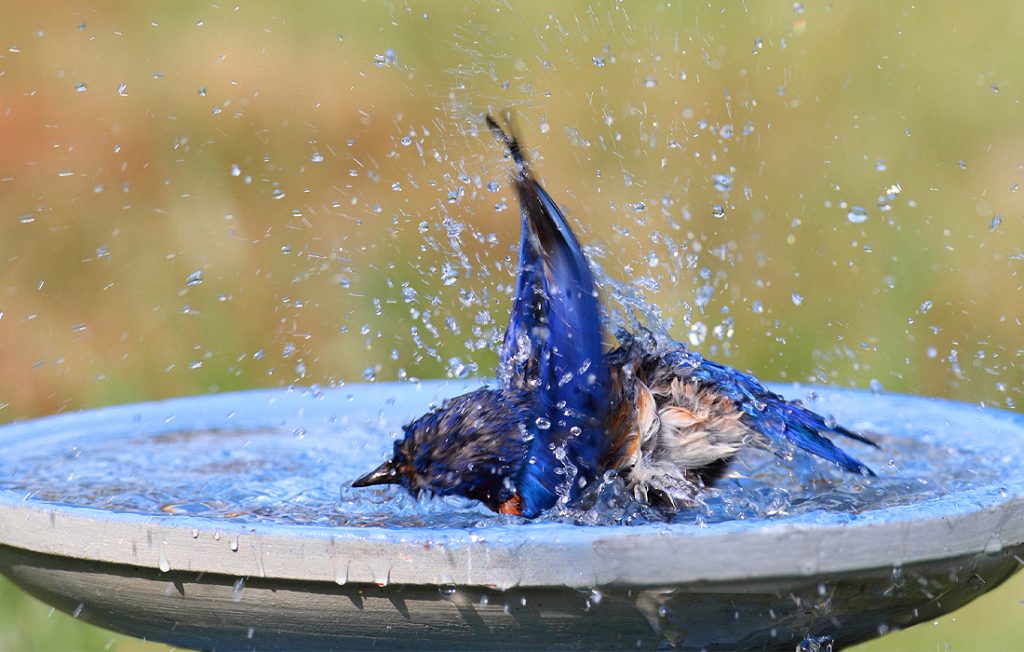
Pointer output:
x,y
216,522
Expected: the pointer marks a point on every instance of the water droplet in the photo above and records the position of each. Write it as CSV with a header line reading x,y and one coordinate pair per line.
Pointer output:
x,y
236,592
341,573
758,44
797,298
202,91
65,173
78,610
703,296
195,364
876,386
449,275
316,157
277,193
857,214
195,278
925,307
387,59
542,423
406,141
723,182
164,564
599,61
233,544
457,368
80,87
718,212
369,374
757,306
235,170
27,219
996,221
698,333
492,186
650,82
122,89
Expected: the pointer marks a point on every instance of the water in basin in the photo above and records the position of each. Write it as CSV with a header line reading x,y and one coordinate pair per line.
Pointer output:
x,y
298,470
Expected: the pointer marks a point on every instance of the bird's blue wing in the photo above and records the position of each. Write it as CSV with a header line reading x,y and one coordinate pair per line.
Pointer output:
x,y
519,364
561,328
773,416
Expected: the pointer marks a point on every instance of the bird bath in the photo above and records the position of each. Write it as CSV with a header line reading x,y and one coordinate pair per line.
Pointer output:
x,y
226,522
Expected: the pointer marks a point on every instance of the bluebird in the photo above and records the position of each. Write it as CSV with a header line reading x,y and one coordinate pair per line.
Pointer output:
x,y
564,412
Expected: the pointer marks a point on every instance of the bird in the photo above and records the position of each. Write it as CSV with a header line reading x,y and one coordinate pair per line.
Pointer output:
x,y
564,412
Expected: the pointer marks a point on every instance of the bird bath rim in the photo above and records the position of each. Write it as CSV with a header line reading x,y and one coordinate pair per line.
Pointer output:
x,y
973,521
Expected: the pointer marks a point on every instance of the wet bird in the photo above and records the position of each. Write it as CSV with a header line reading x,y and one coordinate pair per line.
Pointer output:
x,y
564,412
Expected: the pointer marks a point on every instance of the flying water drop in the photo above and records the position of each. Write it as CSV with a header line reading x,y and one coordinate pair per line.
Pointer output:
x,y
857,215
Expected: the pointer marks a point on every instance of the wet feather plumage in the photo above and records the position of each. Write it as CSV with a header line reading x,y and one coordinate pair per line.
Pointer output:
x,y
664,418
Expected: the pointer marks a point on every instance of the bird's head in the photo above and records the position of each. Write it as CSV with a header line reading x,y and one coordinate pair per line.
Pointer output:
x,y
472,446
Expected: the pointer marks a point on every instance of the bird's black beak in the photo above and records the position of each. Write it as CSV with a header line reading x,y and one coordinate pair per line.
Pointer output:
x,y
386,473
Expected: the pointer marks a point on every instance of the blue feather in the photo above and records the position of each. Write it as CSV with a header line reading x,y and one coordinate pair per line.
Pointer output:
x,y
561,325
773,416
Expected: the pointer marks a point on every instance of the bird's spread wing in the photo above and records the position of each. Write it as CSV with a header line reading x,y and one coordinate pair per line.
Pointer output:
x,y
770,414
554,342
526,333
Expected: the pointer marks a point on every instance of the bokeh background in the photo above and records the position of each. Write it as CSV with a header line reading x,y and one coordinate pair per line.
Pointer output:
x,y
202,197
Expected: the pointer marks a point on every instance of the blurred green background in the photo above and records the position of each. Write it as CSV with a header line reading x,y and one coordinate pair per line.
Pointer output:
x,y
207,197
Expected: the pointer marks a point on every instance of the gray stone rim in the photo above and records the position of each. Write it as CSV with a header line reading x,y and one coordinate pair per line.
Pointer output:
x,y
977,521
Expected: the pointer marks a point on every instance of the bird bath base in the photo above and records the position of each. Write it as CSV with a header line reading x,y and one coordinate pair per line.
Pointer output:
x,y
255,558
